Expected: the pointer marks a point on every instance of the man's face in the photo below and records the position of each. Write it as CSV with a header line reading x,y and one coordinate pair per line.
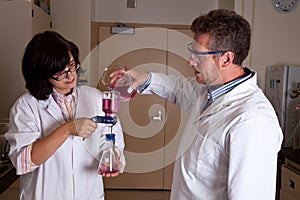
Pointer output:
x,y
206,66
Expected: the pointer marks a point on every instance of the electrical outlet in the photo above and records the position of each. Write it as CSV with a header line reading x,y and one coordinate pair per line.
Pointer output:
x,y
131,3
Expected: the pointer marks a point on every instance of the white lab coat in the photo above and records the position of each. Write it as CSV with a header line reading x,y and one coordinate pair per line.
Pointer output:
x,y
71,172
230,150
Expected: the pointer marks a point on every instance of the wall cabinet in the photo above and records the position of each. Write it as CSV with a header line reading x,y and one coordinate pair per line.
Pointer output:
x,y
288,175
290,181
19,21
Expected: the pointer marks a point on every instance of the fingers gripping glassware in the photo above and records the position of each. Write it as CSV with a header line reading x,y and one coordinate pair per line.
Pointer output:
x,y
116,78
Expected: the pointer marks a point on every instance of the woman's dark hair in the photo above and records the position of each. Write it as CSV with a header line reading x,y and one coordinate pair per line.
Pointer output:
x,y
228,30
45,55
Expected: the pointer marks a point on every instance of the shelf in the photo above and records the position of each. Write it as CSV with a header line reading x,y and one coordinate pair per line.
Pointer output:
x,y
44,5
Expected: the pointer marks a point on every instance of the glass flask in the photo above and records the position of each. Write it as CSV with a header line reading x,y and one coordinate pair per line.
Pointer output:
x,y
109,161
121,81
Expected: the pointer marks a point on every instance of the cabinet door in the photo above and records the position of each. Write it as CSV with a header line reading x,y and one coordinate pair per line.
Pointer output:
x,y
151,145
144,137
285,196
290,182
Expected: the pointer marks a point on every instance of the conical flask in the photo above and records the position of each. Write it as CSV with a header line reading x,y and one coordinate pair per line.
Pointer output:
x,y
109,162
122,81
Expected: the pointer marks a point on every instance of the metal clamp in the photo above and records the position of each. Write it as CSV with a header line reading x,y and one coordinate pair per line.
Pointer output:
x,y
105,119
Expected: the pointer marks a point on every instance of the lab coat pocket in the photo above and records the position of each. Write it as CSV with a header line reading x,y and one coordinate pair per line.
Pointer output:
x,y
207,150
209,135
205,145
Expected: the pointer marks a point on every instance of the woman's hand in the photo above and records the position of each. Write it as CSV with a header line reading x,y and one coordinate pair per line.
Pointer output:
x,y
114,173
84,127
105,172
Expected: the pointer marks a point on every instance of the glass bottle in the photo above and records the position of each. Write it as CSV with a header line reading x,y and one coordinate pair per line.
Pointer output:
x,y
109,162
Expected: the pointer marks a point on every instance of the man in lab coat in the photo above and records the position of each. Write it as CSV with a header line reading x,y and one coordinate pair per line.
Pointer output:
x,y
231,140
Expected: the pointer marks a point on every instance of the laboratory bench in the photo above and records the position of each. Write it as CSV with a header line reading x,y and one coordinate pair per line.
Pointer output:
x,y
7,175
288,174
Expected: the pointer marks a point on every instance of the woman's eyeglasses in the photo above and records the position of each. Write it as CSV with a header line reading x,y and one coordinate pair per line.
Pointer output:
x,y
65,73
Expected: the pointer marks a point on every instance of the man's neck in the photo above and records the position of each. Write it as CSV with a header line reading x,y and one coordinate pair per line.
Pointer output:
x,y
233,73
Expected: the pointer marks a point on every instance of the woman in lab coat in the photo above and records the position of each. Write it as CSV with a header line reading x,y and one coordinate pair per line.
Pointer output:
x,y
54,144
230,143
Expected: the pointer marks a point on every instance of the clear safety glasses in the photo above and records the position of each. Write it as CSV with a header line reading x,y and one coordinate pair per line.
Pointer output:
x,y
196,55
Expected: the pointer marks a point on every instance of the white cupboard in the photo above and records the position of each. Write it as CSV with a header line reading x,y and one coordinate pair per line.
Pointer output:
x,y
290,181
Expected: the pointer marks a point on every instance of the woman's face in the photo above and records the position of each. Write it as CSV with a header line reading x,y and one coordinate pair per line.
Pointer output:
x,y
63,82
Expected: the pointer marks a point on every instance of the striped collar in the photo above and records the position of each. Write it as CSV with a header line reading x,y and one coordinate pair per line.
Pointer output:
x,y
67,104
215,92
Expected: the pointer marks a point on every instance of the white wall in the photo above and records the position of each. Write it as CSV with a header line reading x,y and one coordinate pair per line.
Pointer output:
x,y
275,36
15,22
17,28
72,18
152,11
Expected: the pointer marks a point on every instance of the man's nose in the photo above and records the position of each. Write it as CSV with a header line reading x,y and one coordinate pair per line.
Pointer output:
x,y
192,61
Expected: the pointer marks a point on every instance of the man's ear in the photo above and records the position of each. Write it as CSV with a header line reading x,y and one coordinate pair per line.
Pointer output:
x,y
227,58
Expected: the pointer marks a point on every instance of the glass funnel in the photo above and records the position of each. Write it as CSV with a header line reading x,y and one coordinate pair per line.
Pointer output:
x,y
110,103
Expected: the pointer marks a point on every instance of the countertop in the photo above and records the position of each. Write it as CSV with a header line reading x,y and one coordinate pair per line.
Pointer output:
x,y
7,176
292,154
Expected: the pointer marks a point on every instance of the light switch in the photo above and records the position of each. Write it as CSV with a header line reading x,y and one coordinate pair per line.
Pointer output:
x,y
131,3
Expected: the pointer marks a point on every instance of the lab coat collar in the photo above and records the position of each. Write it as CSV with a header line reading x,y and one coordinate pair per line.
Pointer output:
x,y
227,99
216,106
53,108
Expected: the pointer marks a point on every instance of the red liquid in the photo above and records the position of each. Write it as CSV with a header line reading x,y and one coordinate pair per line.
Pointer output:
x,y
110,107
126,93
107,171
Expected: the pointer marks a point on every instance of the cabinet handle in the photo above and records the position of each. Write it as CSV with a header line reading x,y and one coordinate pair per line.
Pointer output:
x,y
158,117
292,184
